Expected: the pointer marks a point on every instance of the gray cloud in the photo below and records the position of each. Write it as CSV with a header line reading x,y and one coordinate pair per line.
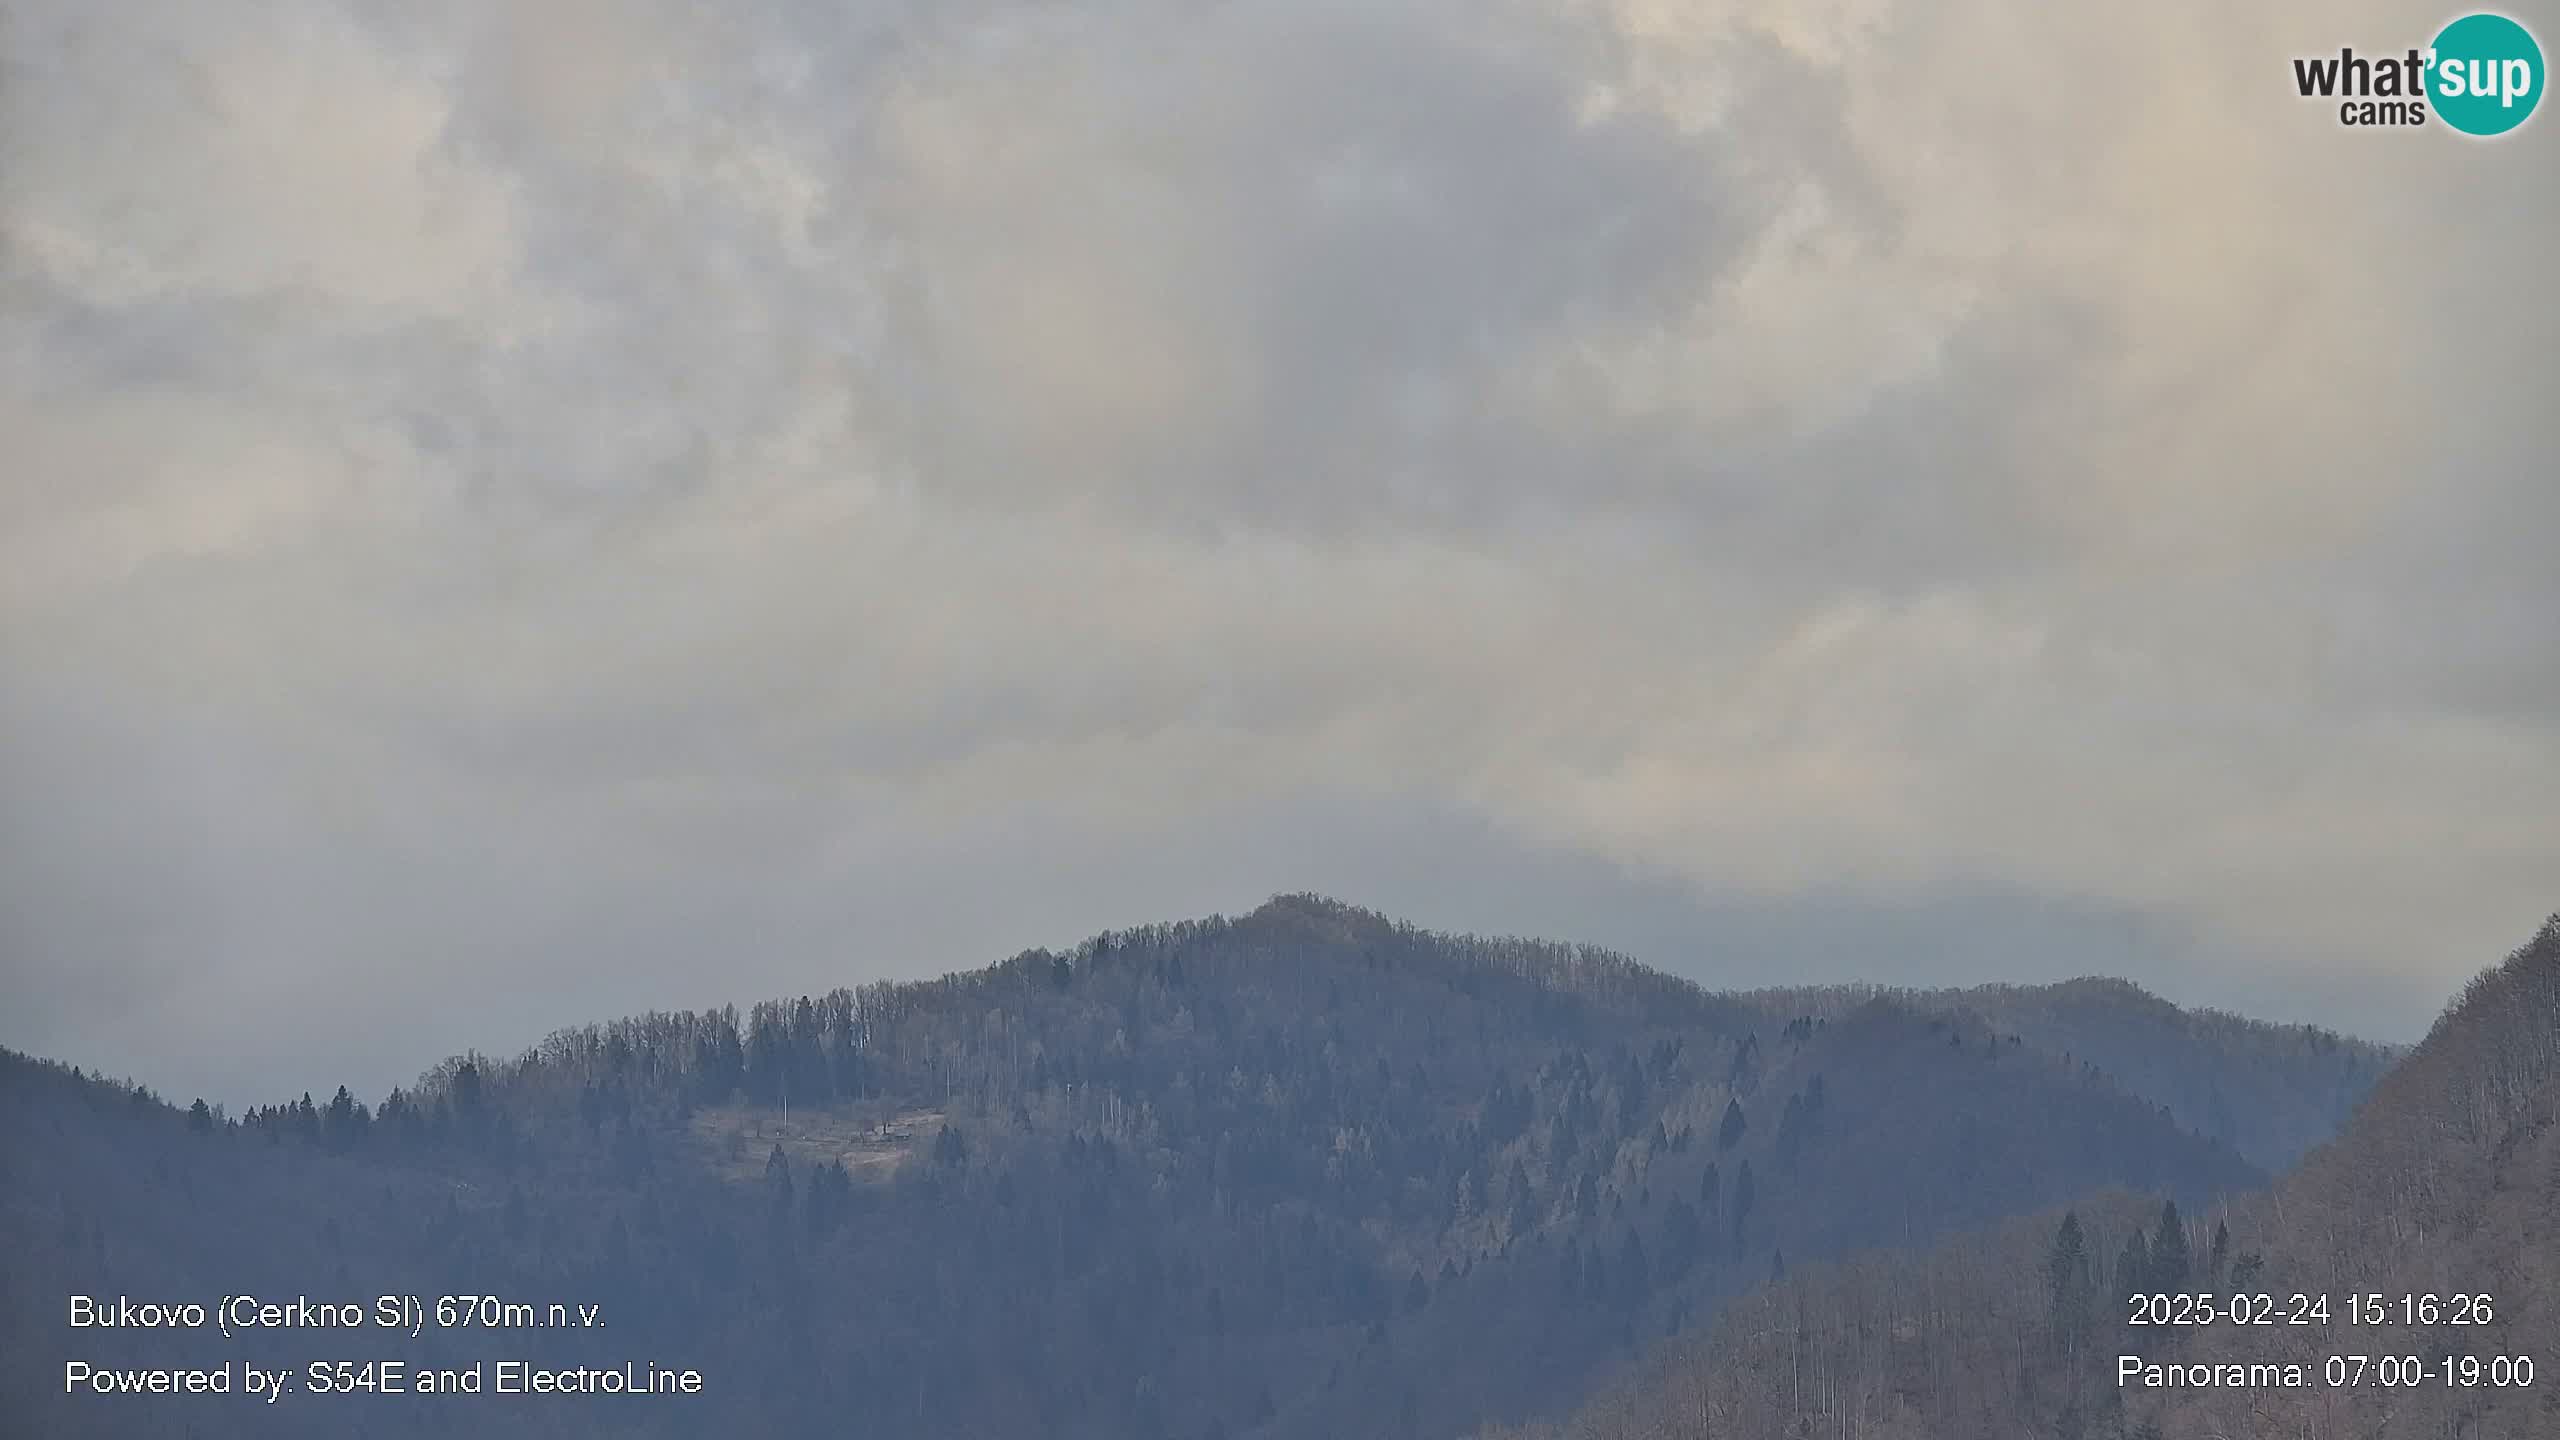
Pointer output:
x,y
520,513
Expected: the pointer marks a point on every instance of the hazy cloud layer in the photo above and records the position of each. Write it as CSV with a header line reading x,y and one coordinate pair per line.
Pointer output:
x,y
519,513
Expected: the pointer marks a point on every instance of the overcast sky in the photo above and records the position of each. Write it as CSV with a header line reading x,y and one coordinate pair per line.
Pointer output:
x,y
514,514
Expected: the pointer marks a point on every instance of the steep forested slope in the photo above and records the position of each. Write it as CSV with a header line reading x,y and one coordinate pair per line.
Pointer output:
x,y
2412,1267
1307,1172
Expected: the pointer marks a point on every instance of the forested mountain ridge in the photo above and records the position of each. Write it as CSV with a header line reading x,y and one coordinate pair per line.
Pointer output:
x,y
1305,1172
2427,1236
2269,1091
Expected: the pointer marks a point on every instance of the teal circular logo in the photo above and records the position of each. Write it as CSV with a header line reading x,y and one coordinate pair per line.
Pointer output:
x,y
2484,74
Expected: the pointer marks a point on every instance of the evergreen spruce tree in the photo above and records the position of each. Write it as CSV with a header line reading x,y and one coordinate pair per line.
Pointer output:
x,y
2170,1261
